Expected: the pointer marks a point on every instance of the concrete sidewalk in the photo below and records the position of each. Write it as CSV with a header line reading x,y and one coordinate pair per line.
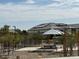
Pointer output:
x,y
28,49
76,57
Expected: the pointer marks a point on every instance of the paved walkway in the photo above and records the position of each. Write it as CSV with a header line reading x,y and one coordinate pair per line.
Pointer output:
x,y
28,49
76,57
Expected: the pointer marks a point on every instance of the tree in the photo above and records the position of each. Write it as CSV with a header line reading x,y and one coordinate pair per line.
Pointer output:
x,y
65,42
71,42
77,38
9,39
34,39
4,31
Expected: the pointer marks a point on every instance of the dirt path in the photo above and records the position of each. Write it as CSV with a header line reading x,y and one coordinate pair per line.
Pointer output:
x,y
25,55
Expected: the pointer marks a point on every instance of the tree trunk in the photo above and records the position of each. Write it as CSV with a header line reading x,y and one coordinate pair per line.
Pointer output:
x,y
71,50
8,48
78,47
64,44
64,50
77,37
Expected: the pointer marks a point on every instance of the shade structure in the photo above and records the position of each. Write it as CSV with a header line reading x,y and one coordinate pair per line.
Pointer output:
x,y
53,32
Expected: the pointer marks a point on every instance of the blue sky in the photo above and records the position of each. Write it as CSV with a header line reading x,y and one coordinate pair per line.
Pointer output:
x,y
25,14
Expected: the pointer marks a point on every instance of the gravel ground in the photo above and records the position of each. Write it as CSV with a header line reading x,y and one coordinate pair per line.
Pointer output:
x,y
35,55
24,55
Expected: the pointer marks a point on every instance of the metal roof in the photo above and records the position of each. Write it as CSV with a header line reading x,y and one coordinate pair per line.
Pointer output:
x,y
53,32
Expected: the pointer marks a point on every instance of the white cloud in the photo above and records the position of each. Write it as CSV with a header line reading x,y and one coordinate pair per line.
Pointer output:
x,y
30,1
13,12
66,4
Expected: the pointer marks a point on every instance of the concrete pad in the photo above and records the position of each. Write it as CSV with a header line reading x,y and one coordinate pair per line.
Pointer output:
x,y
76,57
28,49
